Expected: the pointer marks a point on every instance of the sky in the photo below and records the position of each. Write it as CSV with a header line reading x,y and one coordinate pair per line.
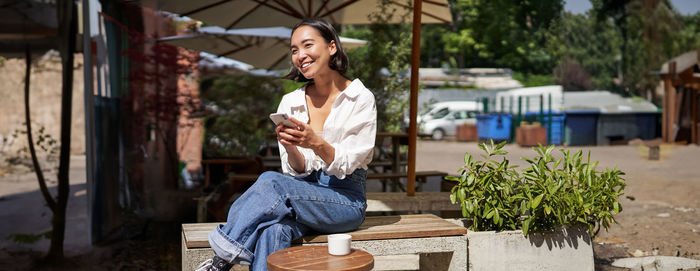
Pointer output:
x,y
685,7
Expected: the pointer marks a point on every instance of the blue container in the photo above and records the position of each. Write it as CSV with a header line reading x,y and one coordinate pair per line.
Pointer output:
x,y
494,126
647,125
580,127
556,135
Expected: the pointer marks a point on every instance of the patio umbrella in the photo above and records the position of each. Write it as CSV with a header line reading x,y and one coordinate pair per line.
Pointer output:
x,y
259,13
266,47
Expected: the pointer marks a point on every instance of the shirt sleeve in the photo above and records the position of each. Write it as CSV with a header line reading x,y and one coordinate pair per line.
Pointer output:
x,y
286,168
357,144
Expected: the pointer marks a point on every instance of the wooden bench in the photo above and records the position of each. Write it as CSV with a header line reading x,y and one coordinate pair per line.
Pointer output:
x,y
439,244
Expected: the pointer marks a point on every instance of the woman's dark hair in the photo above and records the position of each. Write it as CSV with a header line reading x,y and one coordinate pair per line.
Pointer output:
x,y
339,61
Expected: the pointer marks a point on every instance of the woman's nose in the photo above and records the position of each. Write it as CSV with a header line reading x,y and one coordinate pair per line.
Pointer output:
x,y
301,54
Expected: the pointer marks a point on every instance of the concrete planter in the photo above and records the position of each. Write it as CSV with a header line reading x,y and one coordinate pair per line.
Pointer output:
x,y
567,248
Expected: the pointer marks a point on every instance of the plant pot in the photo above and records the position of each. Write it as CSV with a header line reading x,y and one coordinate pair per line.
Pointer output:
x,y
566,248
529,135
466,132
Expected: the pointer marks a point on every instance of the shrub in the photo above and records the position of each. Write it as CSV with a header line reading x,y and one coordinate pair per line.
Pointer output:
x,y
550,192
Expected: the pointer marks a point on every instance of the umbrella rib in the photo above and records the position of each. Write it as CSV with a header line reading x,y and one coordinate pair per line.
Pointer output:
x,y
422,12
310,9
301,5
244,15
227,40
290,9
277,62
325,3
344,4
435,3
204,7
236,50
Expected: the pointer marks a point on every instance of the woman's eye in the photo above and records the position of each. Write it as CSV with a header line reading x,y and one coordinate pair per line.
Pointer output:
x,y
294,51
307,45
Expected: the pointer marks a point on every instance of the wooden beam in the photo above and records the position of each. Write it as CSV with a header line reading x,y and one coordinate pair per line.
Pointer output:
x,y
694,113
665,121
413,105
676,113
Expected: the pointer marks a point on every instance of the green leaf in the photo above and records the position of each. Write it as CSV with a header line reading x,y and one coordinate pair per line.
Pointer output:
x,y
470,180
536,201
490,214
453,198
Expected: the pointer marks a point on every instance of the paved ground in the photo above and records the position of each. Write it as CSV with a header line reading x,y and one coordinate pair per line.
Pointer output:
x,y
663,218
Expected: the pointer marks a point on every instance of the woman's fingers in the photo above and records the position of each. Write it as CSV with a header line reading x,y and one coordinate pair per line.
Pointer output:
x,y
300,125
288,137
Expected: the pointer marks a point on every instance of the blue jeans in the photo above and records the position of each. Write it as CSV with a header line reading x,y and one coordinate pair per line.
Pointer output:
x,y
278,209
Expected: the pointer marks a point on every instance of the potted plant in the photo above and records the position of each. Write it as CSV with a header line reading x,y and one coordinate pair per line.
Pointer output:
x,y
559,202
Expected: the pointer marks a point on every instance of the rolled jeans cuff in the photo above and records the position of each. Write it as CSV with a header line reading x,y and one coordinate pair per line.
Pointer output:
x,y
227,249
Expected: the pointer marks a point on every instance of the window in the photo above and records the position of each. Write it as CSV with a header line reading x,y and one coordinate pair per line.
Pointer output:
x,y
441,113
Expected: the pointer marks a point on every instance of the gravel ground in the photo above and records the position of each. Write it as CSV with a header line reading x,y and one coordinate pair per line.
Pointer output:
x,y
661,218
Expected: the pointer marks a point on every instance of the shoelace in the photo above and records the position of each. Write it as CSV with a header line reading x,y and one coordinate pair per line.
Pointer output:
x,y
203,265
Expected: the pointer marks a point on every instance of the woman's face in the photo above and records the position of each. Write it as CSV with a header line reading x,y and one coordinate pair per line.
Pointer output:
x,y
310,51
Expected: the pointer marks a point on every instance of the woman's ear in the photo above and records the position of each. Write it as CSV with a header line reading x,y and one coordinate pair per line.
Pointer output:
x,y
332,48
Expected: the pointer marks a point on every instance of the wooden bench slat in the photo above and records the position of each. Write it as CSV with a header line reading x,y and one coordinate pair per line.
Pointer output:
x,y
374,228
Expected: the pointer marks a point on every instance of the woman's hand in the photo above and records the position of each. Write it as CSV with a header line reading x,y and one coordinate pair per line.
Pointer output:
x,y
302,135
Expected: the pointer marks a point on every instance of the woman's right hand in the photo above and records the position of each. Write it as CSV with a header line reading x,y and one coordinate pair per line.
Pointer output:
x,y
284,137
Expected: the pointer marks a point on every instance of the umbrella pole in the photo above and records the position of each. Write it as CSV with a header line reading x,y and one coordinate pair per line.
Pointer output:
x,y
413,106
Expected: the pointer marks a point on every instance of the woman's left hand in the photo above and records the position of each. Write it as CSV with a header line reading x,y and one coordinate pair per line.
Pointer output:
x,y
304,135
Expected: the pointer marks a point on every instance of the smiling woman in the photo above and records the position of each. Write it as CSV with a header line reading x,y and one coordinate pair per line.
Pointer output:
x,y
324,158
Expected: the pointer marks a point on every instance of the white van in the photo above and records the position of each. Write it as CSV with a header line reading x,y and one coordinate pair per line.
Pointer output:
x,y
441,119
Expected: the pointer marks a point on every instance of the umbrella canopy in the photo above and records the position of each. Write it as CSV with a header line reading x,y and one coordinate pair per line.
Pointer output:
x,y
266,47
257,13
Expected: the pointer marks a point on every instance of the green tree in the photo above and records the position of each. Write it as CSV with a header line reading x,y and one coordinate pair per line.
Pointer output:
x,y
383,64
578,40
650,35
239,106
508,33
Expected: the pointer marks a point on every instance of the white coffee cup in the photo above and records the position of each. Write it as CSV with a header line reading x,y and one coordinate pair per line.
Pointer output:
x,y
339,244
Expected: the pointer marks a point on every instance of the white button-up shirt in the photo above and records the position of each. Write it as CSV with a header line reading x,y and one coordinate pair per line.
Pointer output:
x,y
350,128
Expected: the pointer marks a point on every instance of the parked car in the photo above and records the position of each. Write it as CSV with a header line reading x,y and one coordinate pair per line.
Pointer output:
x,y
442,119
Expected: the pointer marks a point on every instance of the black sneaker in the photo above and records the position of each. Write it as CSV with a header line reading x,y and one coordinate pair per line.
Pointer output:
x,y
214,264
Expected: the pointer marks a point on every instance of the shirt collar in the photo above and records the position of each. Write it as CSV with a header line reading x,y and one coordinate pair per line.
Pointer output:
x,y
353,89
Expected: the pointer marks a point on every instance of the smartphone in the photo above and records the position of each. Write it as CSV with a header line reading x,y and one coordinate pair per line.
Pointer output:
x,y
278,118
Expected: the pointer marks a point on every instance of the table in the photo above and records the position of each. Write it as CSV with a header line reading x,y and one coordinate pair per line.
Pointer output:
x,y
317,258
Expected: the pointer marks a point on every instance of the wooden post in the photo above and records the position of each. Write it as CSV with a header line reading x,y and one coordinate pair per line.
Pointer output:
x,y
694,112
671,103
664,110
413,106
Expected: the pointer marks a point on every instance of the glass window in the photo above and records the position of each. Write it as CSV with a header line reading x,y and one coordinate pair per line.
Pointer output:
x,y
441,113
460,115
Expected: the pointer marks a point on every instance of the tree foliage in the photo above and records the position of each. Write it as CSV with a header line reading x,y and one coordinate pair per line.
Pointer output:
x,y
238,107
383,64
